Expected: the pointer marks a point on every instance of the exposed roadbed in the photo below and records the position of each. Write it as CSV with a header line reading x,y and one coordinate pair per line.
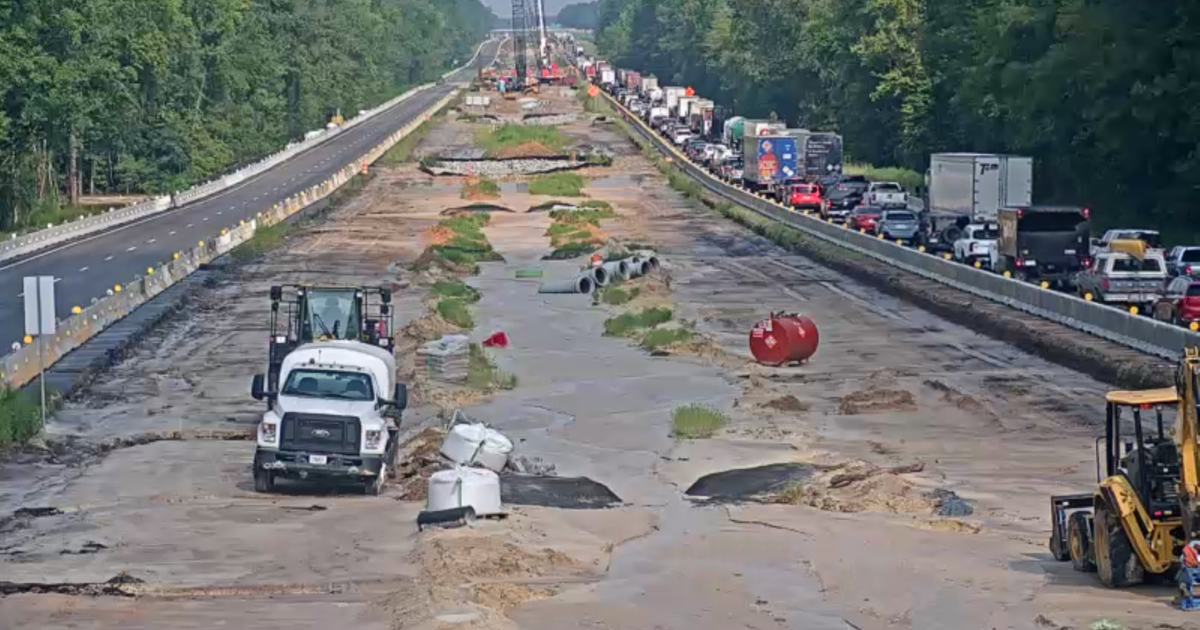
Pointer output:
x,y
900,414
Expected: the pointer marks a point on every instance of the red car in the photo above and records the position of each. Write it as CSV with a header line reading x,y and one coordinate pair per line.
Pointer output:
x,y
805,197
865,217
1180,303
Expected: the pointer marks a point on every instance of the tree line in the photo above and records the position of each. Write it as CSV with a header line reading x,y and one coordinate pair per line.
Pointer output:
x,y
579,15
1102,93
149,96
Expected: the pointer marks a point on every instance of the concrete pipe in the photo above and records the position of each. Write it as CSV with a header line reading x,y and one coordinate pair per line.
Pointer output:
x,y
617,269
652,261
583,283
637,267
599,275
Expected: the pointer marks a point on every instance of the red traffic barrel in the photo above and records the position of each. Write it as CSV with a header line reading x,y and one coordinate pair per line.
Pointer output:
x,y
783,338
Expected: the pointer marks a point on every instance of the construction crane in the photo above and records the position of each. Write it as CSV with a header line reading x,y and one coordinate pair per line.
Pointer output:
x,y
520,28
1141,519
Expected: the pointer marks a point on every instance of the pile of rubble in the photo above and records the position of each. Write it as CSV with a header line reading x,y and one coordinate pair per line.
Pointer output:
x,y
495,169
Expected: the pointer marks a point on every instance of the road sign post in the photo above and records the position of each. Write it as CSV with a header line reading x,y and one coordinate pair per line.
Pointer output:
x,y
39,322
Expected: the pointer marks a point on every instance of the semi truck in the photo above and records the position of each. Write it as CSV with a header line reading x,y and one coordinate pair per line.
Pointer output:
x,y
649,83
699,114
673,94
685,105
966,188
822,155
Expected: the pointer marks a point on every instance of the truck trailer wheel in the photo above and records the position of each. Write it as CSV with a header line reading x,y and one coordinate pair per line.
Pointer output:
x,y
1079,542
264,480
1116,562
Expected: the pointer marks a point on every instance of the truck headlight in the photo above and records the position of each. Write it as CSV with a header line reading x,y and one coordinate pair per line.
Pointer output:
x,y
374,440
268,432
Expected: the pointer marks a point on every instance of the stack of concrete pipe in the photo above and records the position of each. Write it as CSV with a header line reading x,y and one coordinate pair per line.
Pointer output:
x,y
636,266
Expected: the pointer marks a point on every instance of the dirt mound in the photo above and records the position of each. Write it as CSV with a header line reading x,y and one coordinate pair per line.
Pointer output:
x,y
787,403
419,459
428,328
860,487
949,525
525,150
491,570
955,397
445,396
875,400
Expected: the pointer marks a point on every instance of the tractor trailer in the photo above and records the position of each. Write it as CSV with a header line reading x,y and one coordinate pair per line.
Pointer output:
x,y
966,188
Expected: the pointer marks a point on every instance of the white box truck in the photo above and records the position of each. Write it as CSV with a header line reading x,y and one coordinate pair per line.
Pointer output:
x,y
966,188
673,94
608,76
649,83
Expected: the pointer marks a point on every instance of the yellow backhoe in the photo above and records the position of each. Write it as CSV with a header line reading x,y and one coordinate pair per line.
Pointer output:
x,y
1143,511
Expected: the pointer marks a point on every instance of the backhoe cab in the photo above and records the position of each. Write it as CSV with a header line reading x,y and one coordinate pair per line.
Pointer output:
x,y
1141,514
303,314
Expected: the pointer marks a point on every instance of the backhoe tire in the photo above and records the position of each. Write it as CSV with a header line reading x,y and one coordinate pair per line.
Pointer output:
x,y
1116,562
264,480
1079,540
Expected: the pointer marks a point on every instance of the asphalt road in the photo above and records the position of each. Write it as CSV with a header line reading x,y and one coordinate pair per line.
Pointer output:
x,y
89,267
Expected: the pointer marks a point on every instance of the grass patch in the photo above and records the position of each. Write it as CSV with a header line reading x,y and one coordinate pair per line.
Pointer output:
x,y
456,289
484,187
691,422
20,418
495,141
591,216
616,296
627,324
483,374
468,245
456,312
573,249
558,185
596,203
908,178
265,239
656,339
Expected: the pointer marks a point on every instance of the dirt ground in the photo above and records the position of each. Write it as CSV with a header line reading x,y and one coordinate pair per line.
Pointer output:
x,y
899,417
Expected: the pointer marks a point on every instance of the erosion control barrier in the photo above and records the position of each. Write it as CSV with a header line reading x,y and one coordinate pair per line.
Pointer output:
x,y
16,246
1141,333
21,366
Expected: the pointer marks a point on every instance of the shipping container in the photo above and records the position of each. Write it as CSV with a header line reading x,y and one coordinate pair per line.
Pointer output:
x,y
770,158
977,185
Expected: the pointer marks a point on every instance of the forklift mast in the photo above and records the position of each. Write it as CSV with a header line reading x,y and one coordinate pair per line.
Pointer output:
x,y
303,314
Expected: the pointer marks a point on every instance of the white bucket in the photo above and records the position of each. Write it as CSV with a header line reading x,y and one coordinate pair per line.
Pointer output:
x,y
463,486
477,444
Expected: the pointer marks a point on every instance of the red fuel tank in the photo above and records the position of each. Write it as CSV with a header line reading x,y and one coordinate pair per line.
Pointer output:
x,y
783,338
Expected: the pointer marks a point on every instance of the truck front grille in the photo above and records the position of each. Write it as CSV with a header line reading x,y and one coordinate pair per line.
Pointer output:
x,y
320,433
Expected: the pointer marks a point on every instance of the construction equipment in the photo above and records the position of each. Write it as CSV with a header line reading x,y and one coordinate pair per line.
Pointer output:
x,y
302,314
1144,510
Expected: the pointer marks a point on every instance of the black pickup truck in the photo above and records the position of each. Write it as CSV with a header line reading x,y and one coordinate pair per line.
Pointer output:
x,y
1043,242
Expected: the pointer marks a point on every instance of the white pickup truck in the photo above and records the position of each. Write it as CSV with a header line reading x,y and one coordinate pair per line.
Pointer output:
x,y
886,195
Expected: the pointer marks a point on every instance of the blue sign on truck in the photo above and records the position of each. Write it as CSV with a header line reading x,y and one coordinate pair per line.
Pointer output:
x,y
775,160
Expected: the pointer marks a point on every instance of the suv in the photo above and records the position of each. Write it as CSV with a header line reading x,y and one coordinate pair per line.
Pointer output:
x,y
898,224
1183,261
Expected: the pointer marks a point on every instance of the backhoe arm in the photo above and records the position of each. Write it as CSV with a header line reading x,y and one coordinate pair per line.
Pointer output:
x,y
1186,435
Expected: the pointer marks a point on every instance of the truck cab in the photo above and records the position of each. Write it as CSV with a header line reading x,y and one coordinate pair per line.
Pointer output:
x,y
886,195
335,416
1042,242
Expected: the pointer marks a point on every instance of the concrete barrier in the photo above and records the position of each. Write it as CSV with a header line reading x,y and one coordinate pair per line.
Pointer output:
x,y
21,366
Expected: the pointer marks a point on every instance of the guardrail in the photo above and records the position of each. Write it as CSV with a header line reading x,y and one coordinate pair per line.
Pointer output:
x,y
22,366
1138,332
21,245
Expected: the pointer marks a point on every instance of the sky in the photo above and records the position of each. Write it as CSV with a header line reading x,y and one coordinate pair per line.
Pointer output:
x,y
503,8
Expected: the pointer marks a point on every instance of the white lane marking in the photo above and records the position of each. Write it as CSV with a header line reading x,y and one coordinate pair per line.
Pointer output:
x,y
131,248
254,199
172,233
204,219
108,259
151,241
20,295
191,225
220,212
57,280
82,269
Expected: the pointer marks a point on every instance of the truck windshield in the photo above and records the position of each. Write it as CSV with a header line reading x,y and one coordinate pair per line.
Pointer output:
x,y
887,187
316,383
333,313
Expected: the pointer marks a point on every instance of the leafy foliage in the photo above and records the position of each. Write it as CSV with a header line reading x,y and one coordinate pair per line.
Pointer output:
x,y
580,15
1101,92
154,95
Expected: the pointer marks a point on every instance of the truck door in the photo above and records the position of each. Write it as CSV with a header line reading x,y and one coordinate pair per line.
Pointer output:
x,y
987,187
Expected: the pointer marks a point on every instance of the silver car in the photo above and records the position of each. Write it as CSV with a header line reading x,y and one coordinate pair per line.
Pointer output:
x,y
898,224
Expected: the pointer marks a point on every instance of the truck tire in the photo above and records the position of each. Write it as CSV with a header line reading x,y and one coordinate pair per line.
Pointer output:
x,y
1116,562
375,486
264,480
951,233
1079,541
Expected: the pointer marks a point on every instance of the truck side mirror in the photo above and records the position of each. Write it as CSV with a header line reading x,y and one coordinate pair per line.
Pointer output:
x,y
256,387
400,397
